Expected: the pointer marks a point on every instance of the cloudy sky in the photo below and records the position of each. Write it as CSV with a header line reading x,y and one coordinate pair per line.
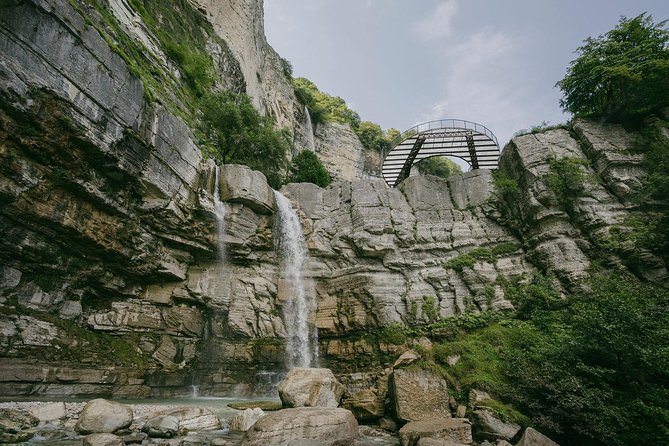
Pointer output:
x,y
401,62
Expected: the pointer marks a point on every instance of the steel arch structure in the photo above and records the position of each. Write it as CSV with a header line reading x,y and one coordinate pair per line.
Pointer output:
x,y
469,141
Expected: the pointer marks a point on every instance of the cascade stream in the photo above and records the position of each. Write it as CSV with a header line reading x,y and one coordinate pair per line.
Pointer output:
x,y
302,339
311,145
219,209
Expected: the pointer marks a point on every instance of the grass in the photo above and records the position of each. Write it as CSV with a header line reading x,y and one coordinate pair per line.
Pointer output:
x,y
469,259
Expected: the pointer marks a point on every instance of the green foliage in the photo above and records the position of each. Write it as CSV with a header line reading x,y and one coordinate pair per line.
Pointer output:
x,y
234,132
374,138
460,262
622,73
469,259
439,166
505,412
594,370
196,66
505,186
430,308
323,107
568,180
287,68
534,299
505,248
393,334
307,168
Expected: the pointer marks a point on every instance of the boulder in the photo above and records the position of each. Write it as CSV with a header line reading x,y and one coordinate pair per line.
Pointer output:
x,y
532,437
366,405
244,420
406,358
418,394
162,426
454,430
14,425
240,184
436,442
489,426
310,387
193,418
104,439
49,412
476,396
102,416
134,438
313,426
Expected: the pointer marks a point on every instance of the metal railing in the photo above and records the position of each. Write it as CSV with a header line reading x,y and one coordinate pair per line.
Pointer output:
x,y
441,124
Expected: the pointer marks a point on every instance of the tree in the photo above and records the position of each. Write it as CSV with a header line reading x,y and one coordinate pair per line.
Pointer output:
x,y
620,74
307,168
439,166
234,132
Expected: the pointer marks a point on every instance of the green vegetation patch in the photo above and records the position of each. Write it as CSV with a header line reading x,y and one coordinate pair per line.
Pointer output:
x,y
307,168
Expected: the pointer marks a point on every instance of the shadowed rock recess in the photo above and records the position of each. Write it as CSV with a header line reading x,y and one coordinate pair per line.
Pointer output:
x,y
110,283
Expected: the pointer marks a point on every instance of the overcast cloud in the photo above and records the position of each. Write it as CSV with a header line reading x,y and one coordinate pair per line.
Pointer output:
x,y
401,62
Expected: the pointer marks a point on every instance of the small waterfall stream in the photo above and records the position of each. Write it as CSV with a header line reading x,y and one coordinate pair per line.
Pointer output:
x,y
302,339
311,145
220,210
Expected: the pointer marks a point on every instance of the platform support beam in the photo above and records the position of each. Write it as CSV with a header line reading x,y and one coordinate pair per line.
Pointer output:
x,y
406,169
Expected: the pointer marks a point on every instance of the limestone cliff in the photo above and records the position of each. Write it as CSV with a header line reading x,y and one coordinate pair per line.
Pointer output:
x,y
110,282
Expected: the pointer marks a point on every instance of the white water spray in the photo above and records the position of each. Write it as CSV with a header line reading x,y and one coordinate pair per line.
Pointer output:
x,y
302,340
219,209
311,145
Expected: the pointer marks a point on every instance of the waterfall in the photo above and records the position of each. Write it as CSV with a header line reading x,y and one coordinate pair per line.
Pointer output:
x,y
311,145
219,209
301,340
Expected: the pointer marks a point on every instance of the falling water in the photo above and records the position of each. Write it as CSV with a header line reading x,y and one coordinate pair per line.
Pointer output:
x,y
311,145
219,208
302,340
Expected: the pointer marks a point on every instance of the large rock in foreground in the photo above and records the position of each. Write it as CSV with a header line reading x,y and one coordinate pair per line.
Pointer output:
x,y
306,387
532,437
102,416
245,419
304,426
419,394
102,440
489,426
454,430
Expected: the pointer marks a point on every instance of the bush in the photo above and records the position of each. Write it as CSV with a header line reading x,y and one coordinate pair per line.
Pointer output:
x,y
307,168
323,107
439,166
568,180
622,73
234,132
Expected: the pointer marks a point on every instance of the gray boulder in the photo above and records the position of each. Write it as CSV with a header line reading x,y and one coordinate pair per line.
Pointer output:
x,y
193,418
14,425
310,387
453,430
162,426
418,394
532,437
489,426
240,184
244,420
102,416
104,439
49,412
366,405
313,426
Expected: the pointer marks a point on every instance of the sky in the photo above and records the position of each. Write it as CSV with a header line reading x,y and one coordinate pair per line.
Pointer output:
x,y
402,62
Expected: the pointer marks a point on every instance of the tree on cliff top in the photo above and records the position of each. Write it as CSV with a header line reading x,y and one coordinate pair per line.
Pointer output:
x,y
620,74
307,168
235,132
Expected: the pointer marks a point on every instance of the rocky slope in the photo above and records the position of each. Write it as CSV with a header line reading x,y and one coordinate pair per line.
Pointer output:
x,y
110,282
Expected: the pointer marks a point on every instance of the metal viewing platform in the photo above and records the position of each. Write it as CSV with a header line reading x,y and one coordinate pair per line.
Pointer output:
x,y
466,140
